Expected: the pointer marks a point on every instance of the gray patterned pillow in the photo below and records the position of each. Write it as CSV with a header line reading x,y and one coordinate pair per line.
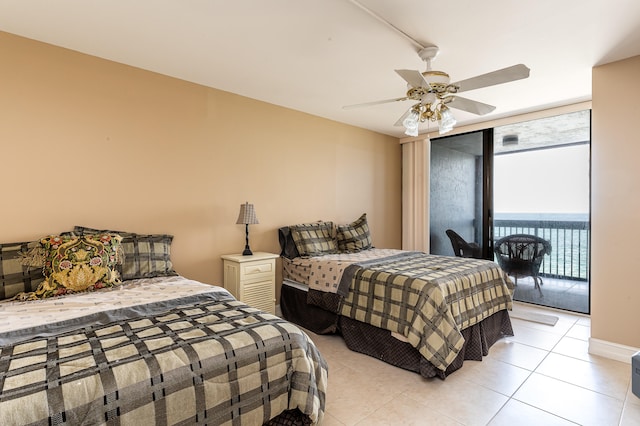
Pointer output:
x,y
314,239
14,276
145,256
288,247
355,236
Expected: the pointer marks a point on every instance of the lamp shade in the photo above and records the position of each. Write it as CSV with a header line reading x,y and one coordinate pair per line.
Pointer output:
x,y
411,123
247,215
447,120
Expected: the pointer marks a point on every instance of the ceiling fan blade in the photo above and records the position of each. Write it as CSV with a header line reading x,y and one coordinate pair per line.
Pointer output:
x,y
414,78
366,104
471,106
402,117
505,75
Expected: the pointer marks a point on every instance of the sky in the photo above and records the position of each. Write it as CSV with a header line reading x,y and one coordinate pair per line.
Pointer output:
x,y
544,181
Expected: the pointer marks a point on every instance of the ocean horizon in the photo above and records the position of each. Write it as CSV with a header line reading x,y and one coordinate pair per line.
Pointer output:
x,y
580,217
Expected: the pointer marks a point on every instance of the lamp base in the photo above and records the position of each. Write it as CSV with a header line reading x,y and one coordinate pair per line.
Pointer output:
x,y
247,251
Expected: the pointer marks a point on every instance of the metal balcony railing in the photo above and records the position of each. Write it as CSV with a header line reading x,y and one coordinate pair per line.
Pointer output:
x,y
569,239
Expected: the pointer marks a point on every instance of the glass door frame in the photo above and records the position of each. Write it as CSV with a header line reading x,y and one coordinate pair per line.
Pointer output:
x,y
483,211
487,194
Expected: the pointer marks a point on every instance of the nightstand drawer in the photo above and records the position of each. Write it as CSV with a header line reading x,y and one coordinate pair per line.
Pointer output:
x,y
257,270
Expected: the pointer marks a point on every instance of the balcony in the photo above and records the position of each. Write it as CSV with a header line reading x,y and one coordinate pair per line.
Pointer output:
x,y
566,271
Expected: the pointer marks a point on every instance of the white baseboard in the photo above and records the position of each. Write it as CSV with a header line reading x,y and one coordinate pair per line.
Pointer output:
x,y
611,350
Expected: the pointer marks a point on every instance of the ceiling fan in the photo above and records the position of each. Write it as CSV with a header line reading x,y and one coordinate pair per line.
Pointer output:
x,y
435,94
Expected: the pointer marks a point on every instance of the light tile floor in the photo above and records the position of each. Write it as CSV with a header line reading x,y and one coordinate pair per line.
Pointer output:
x,y
541,376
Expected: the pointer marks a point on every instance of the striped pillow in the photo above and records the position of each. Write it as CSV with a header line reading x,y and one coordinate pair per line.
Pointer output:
x,y
15,277
145,256
355,236
314,239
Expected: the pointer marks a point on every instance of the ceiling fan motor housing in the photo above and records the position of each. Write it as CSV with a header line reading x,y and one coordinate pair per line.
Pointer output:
x,y
438,85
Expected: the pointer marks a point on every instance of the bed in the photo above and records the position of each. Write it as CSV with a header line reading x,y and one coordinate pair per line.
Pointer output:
x,y
143,345
424,313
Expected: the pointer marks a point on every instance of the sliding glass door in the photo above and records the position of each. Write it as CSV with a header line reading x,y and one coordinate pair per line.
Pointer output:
x,y
541,188
460,191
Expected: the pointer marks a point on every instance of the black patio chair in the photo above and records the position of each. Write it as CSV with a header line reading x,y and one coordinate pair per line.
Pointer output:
x,y
520,255
461,248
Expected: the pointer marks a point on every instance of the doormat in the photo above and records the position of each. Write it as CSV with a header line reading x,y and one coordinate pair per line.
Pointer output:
x,y
533,317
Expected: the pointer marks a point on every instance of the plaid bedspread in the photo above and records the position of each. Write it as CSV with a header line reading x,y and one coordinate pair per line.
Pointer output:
x,y
426,298
202,359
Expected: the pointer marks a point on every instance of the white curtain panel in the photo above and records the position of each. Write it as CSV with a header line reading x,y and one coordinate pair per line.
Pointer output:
x,y
415,195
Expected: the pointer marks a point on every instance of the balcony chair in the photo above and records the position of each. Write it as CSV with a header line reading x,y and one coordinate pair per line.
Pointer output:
x,y
461,248
521,255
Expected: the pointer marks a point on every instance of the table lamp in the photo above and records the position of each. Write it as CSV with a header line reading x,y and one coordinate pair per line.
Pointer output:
x,y
247,217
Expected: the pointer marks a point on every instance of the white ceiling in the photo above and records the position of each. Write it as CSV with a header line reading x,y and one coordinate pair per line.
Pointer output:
x,y
316,56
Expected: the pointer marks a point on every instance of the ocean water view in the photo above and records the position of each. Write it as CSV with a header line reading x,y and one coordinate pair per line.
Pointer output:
x,y
580,217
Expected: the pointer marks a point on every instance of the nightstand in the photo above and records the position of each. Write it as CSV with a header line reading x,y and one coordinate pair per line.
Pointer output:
x,y
252,279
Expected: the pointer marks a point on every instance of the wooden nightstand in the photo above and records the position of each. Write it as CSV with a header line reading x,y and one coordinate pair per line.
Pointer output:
x,y
252,279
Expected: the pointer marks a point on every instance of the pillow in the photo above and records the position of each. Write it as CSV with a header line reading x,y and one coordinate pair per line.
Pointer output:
x,y
355,236
145,256
313,239
287,245
15,276
74,264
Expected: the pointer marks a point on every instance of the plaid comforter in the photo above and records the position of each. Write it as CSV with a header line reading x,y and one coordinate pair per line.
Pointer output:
x,y
426,298
201,359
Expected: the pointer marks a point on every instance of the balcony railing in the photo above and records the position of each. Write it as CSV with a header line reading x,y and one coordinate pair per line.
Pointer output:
x,y
569,239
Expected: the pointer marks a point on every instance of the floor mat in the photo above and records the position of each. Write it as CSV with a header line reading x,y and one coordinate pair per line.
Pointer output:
x,y
534,317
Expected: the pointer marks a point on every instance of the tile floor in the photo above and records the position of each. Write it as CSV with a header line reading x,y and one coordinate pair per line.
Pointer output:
x,y
541,376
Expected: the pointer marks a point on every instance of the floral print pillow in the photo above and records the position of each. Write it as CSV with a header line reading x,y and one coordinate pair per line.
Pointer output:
x,y
74,264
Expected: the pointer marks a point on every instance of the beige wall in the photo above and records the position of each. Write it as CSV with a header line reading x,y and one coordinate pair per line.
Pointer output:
x,y
90,142
615,235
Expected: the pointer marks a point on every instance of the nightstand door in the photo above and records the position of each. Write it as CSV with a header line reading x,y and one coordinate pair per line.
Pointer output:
x,y
260,295
251,279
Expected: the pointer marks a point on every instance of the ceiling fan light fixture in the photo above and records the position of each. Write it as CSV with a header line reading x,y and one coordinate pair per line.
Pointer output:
x,y
411,123
411,131
446,120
